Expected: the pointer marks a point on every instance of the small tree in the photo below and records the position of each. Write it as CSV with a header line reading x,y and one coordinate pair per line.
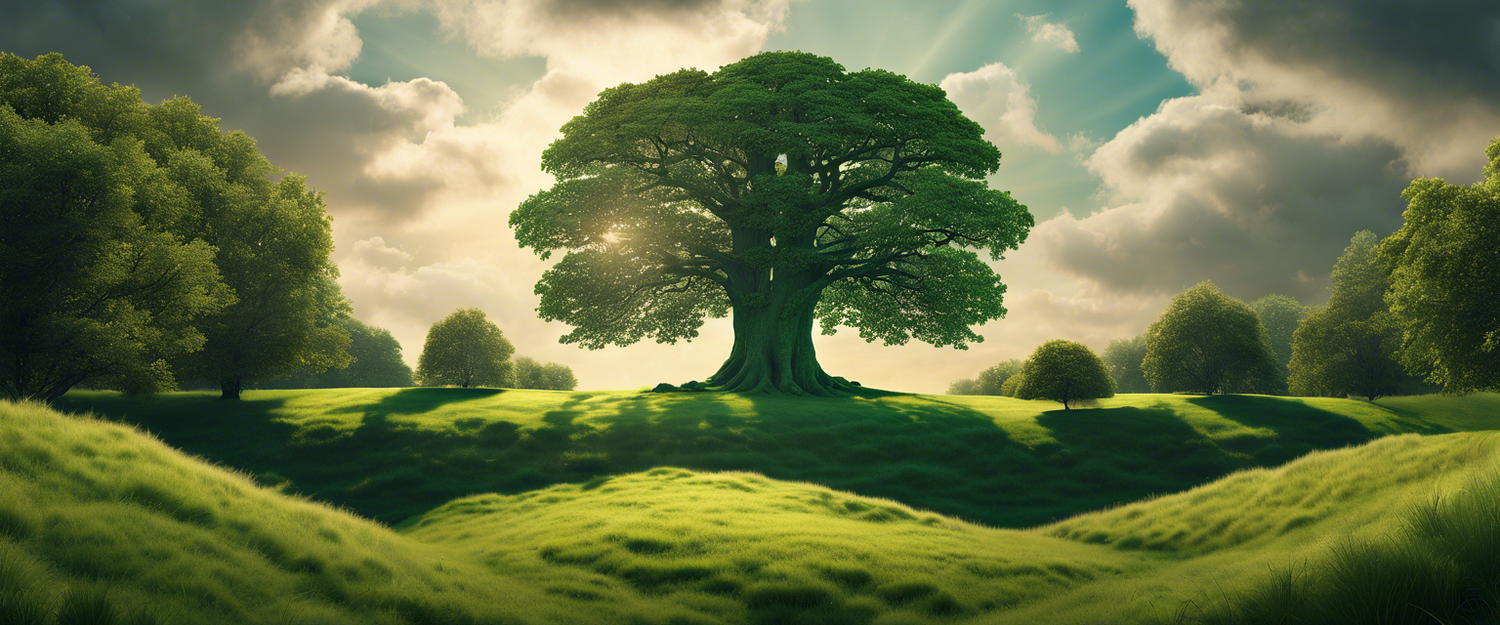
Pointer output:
x,y
1064,371
1207,342
1123,358
1445,280
964,387
557,377
465,350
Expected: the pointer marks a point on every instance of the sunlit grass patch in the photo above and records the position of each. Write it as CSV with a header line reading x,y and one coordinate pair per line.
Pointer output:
x,y
390,454
769,549
1261,504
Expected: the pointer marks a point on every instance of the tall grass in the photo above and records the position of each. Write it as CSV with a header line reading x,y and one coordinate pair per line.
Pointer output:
x,y
1441,566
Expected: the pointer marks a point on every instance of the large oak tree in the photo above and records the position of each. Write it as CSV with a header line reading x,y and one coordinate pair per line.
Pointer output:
x,y
782,189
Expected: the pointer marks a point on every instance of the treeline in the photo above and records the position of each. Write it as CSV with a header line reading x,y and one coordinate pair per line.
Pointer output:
x,y
1413,313
467,350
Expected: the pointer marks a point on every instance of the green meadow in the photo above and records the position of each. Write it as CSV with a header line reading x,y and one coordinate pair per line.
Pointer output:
x,y
502,506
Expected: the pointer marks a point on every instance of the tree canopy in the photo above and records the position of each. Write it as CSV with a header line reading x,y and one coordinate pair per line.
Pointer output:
x,y
1444,264
991,379
92,287
183,256
670,208
1207,342
1351,345
551,376
1123,357
1066,372
1280,315
964,387
465,349
374,362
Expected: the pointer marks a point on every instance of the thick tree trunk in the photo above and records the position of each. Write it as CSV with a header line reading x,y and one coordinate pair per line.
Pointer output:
x,y
773,351
229,388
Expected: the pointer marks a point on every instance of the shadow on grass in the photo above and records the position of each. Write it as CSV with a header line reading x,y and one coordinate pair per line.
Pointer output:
x,y
1299,427
242,434
420,400
927,453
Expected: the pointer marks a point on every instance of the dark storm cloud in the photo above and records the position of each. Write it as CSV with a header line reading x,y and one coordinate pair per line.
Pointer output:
x,y
1257,204
1425,75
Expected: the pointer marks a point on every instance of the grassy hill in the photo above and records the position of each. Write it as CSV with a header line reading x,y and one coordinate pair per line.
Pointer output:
x,y
95,515
390,454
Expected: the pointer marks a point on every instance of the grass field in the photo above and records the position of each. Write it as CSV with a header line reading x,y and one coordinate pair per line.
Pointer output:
x,y
628,508
390,454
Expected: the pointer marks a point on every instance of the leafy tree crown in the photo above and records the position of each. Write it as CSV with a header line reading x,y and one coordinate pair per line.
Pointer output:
x,y
671,206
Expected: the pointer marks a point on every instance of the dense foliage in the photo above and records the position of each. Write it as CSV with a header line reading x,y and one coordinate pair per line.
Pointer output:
x,y
989,381
1123,357
374,361
670,208
964,387
1066,372
142,244
1280,315
529,373
1351,345
465,349
1208,342
1444,264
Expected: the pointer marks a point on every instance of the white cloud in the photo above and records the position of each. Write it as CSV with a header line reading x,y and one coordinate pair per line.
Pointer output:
x,y
1046,32
995,97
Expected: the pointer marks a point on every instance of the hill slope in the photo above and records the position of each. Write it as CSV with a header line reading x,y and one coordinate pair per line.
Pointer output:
x,y
390,454
117,517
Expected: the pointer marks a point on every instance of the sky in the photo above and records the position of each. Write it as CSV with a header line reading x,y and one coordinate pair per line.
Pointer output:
x,y
1158,143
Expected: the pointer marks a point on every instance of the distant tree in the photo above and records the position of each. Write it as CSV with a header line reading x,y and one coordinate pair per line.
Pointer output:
x,y
1066,372
1208,342
670,208
94,286
1012,383
1280,315
1352,345
548,377
464,349
1123,357
526,372
375,362
1445,280
991,379
556,377
964,387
